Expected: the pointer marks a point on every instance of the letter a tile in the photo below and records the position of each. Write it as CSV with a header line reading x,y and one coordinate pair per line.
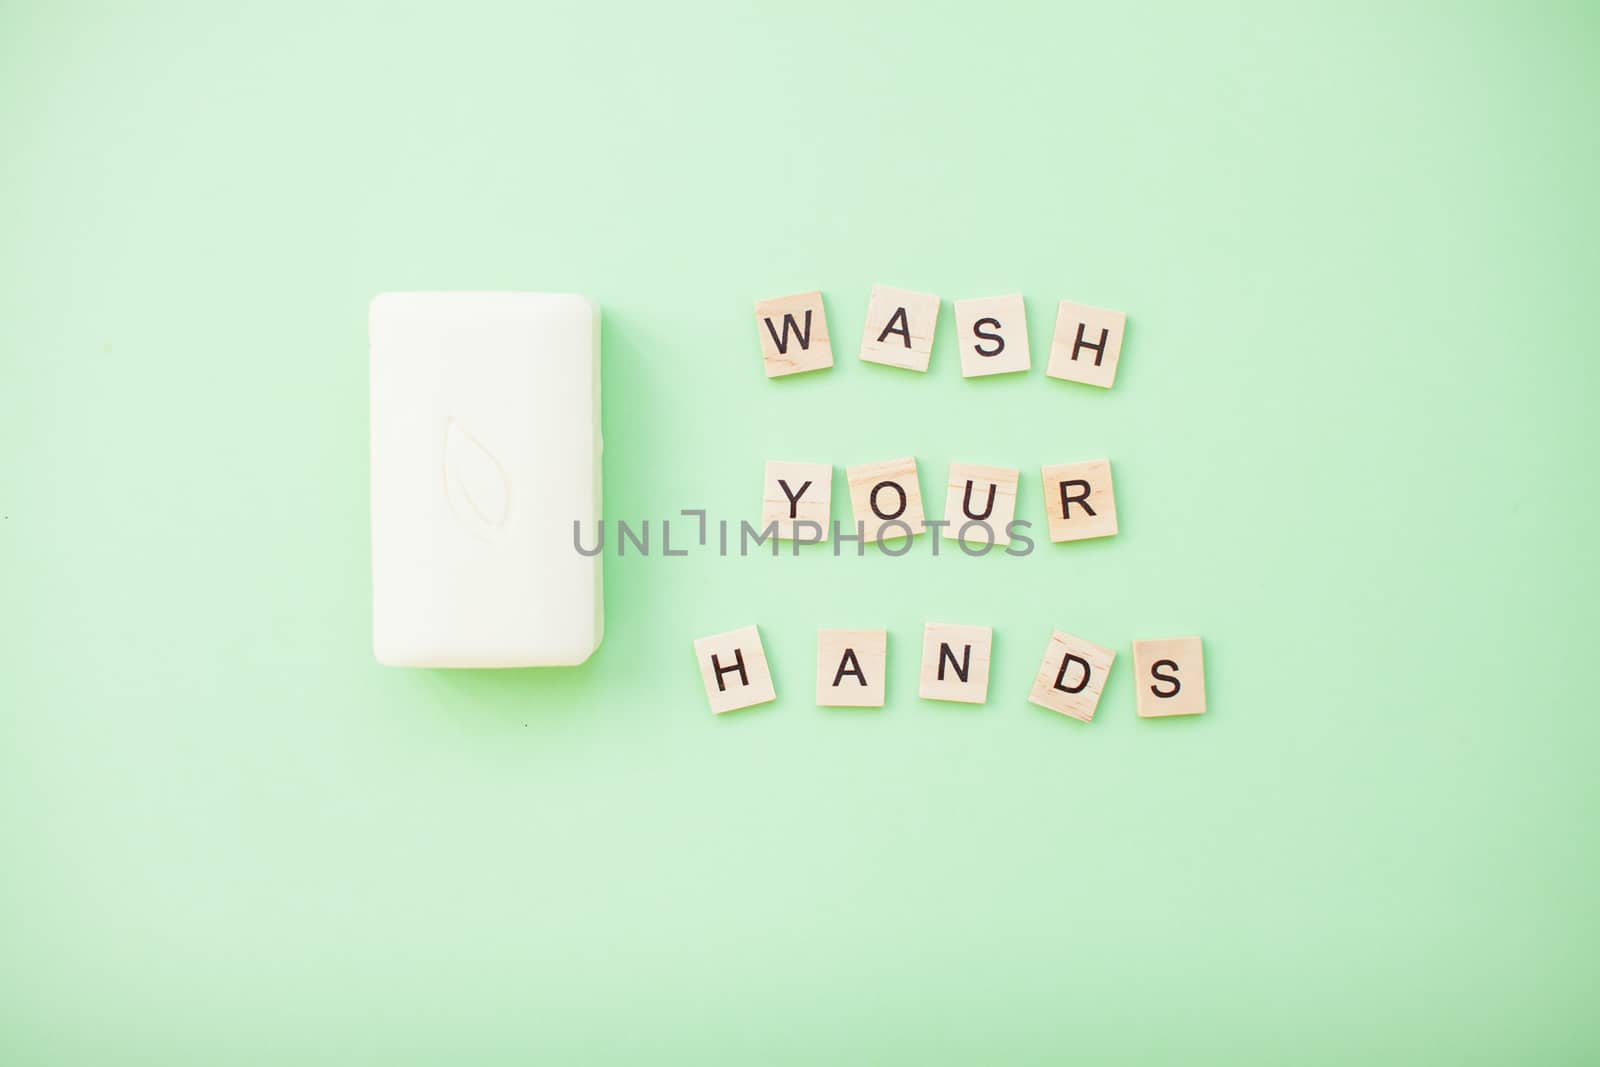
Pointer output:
x,y
850,668
899,329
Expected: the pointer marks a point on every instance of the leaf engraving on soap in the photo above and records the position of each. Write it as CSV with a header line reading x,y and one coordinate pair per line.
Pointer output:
x,y
475,482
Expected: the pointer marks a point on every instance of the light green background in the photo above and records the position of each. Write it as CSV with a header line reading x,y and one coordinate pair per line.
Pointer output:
x,y
1354,440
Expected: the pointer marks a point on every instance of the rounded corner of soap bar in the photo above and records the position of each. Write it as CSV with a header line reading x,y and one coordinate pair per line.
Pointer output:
x,y
577,656
573,646
390,652
584,312
578,301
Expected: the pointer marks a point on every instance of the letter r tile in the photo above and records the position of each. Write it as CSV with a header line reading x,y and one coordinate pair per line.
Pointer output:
x,y
1079,501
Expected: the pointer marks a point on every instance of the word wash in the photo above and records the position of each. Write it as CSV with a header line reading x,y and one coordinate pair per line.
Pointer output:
x,y
991,335
852,668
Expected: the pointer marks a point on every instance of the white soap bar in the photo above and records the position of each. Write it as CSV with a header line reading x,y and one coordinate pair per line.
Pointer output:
x,y
485,450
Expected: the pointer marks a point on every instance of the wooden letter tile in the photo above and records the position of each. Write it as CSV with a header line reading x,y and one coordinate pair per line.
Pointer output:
x,y
1072,676
992,335
798,493
734,669
955,663
1078,500
794,334
899,330
984,496
1086,344
851,665
883,496
1169,677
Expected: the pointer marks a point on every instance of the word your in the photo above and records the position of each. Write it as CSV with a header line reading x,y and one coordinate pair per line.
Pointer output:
x,y
991,335
886,501
852,665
